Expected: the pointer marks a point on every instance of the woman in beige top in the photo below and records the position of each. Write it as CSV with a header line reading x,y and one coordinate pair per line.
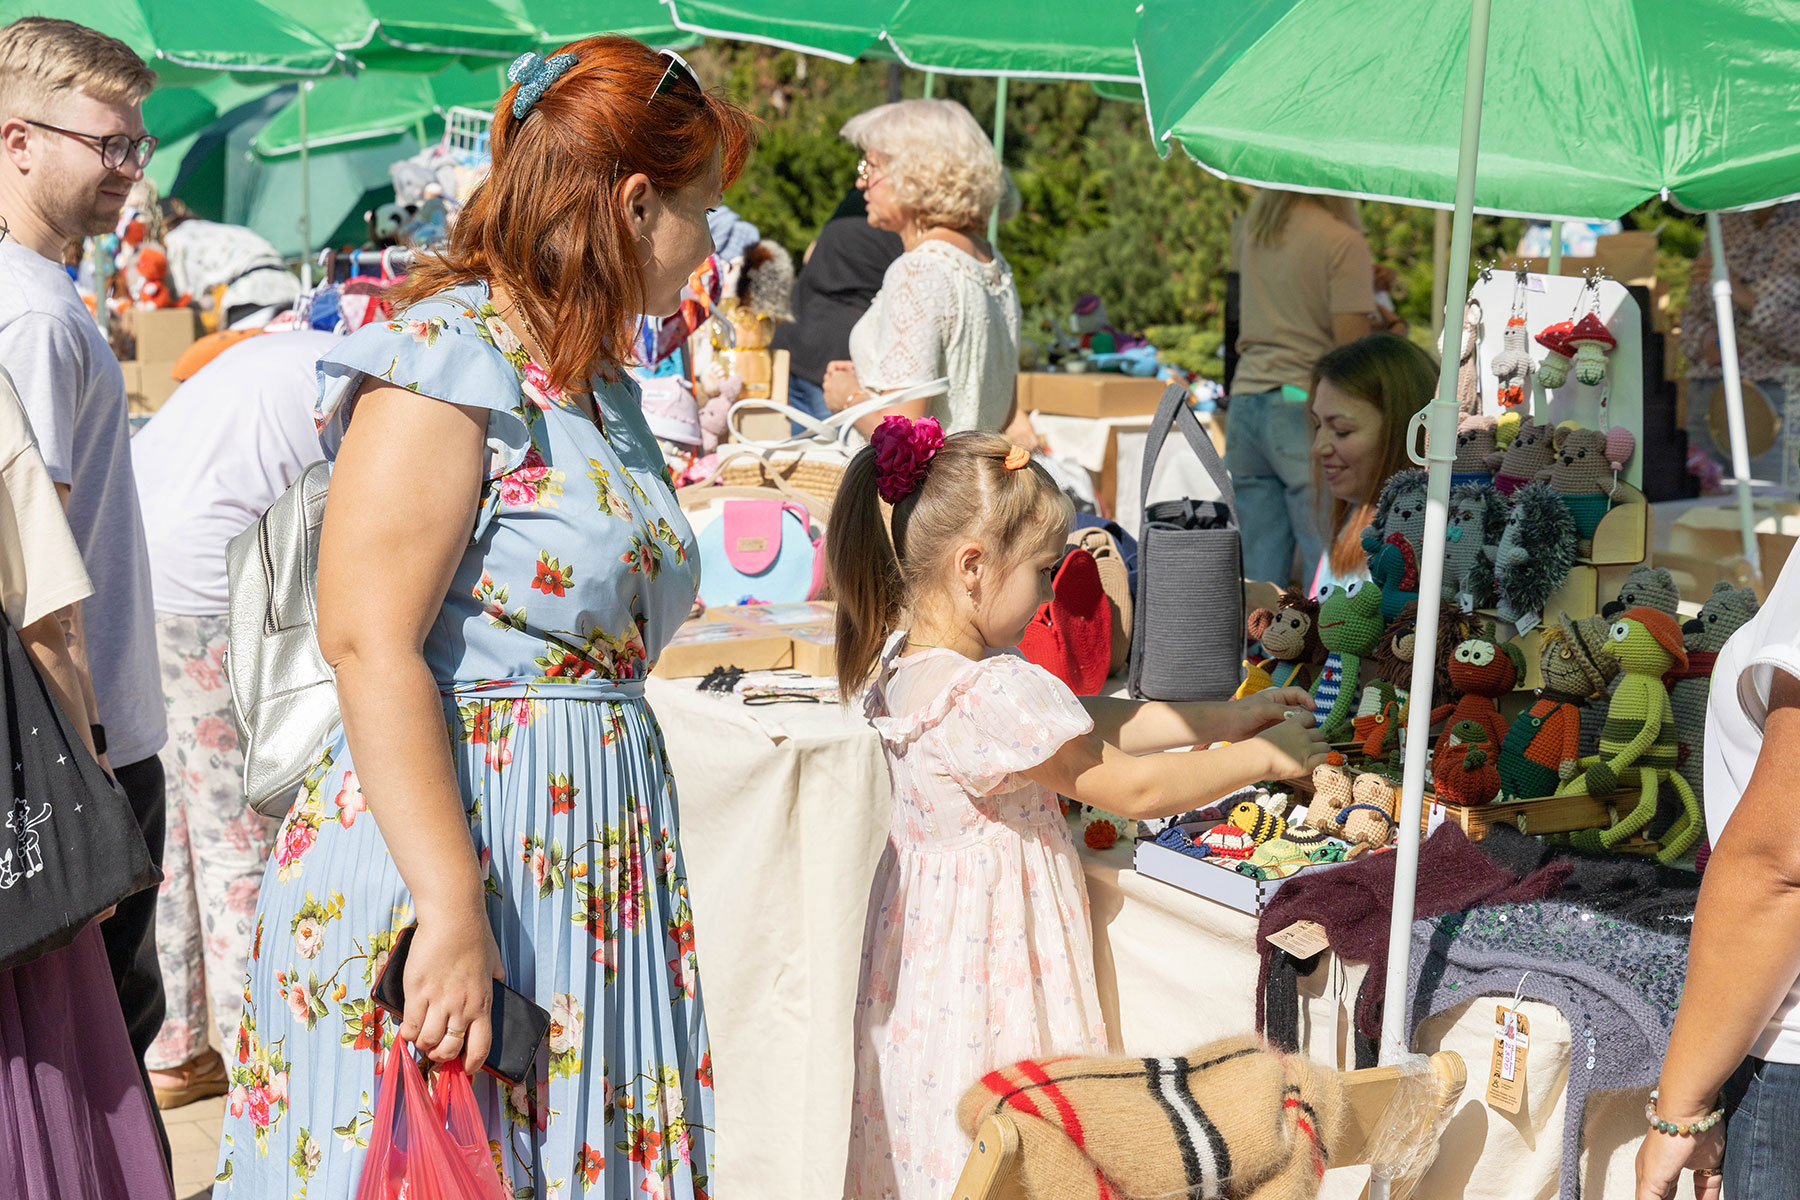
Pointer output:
x,y
1306,284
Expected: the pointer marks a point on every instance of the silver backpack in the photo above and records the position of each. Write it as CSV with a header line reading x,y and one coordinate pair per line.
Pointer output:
x,y
283,695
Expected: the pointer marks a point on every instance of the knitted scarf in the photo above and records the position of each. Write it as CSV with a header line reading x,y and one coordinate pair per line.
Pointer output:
x,y
1617,985
1355,903
1699,666
1229,1118
1639,890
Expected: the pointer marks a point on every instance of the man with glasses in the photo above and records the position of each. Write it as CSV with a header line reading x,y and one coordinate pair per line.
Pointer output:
x,y
72,142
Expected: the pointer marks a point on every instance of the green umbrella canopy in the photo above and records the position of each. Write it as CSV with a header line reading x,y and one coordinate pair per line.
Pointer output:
x,y
827,28
1589,110
1058,39
187,41
416,35
376,104
560,22
174,113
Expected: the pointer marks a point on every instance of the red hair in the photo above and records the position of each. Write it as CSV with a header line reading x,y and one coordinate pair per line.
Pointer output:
x,y
546,224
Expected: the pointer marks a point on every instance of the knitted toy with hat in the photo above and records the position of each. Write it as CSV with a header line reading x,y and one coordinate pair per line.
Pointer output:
x,y
1350,624
1638,746
1543,744
1291,650
1232,1118
1477,521
1392,541
1526,455
1537,552
1467,774
1483,670
1581,474
1724,613
1513,365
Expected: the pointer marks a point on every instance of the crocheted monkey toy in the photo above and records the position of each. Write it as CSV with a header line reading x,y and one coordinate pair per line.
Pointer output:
x,y
1468,776
1723,614
1291,651
1581,473
1477,522
1639,746
1536,554
1543,744
1392,541
1484,671
1350,624
1525,456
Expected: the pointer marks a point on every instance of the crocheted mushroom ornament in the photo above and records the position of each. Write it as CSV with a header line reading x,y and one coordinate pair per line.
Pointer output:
x,y
1554,370
1592,341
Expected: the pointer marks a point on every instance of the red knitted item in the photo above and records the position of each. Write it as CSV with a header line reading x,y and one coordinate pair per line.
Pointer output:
x,y
1071,637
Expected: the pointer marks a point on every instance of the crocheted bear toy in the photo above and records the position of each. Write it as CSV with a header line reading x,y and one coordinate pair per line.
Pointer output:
x,y
1484,671
1543,744
1476,445
1645,587
1638,747
1359,808
1290,650
1392,541
1525,457
1536,553
1477,522
1581,473
1350,624
1468,776
1724,613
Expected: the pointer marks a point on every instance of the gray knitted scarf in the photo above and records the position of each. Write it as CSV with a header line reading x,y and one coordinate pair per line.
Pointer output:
x,y
1616,984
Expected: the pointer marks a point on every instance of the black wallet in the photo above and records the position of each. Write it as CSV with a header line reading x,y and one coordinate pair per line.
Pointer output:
x,y
519,1025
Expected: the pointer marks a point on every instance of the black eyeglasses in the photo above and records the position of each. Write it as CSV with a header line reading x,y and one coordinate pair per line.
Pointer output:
x,y
673,74
113,147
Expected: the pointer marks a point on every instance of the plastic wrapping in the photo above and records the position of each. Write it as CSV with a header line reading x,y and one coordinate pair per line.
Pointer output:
x,y
1405,1141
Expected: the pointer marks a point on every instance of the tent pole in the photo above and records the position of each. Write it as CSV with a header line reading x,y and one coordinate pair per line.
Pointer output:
x,y
930,83
419,132
1540,406
1734,393
1440,272
1440,418
999,150
305,195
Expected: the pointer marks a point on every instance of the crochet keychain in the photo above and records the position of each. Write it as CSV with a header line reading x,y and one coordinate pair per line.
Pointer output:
x,y
1468,370
1590,338
1513,365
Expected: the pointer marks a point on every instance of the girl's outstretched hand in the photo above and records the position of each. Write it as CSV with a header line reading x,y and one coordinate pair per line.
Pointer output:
x,y
1296,747
1270,707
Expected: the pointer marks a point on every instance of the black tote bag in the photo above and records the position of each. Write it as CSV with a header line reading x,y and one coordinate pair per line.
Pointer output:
x,y
1187,634
70,847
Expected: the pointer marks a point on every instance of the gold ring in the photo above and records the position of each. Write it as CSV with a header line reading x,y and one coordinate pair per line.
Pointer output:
x,y
1707,1172
456,1033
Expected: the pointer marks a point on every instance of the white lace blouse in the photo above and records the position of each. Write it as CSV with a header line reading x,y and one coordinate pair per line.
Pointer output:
x,y
943,312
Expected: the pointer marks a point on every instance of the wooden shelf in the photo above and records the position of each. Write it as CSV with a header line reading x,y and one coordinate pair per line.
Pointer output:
x,y
1548,814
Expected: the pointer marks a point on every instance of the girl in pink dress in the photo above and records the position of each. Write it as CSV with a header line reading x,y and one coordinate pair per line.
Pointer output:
x,y
977,951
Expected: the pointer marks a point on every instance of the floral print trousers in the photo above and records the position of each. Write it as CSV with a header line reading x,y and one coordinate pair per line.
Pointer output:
x,y
217,846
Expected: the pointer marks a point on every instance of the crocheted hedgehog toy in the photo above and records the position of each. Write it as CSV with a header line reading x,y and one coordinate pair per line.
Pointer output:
x,y
1484,671
1392,541
1581,473
1543,744
1468,775
1350,624
1477,521
1536,554
1476,445
1724,613
1290,648
1525,457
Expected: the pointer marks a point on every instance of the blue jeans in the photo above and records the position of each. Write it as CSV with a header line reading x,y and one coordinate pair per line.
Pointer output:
x,y
1762,1153
1268,450
808,397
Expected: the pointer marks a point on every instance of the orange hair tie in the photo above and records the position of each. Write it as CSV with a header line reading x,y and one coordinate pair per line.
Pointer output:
x,y
1017,457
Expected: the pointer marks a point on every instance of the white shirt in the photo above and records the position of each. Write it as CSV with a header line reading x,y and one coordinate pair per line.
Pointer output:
x,y
1734,733
40,568
204,254
74,393
941,312
227,444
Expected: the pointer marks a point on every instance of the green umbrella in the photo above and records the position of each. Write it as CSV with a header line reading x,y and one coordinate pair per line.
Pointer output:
x,y
827,28
560,22
415,35
376,104
1056,39
186,41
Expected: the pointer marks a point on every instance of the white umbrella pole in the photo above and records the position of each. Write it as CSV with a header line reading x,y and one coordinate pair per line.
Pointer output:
x,y
999,150
930,83
305,195
1734,392
1442,452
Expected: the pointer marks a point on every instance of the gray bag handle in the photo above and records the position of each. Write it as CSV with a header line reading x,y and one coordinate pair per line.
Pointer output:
x,y
1173,410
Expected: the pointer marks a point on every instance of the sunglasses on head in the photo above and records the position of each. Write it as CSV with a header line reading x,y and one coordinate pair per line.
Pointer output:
x,y
673,74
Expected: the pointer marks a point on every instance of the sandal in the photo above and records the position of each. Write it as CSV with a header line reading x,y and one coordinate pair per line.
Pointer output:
x,y
201,1076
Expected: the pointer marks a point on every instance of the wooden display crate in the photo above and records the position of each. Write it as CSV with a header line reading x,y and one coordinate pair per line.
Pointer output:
x,y
1548,814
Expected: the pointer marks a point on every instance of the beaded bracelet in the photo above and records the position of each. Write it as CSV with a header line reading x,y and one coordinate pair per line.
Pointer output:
x,y
1682,1128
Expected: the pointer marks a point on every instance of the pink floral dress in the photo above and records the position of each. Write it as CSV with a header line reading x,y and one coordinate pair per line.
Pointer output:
x,y
977,951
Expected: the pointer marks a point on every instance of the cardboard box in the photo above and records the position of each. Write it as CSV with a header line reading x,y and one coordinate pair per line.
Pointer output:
x,y
699,646
162,333
1089,394
768,616
148,385
809,625
1629,258
815,649
1203,877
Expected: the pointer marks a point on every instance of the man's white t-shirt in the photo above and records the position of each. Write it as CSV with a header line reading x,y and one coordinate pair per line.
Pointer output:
x,y
1735,715
74,393
227,444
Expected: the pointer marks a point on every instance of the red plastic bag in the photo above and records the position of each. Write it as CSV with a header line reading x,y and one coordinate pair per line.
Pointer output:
x,y
412,1155
453,1096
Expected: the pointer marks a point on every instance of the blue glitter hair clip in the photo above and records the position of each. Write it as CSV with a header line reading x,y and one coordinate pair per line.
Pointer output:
x,y
534,74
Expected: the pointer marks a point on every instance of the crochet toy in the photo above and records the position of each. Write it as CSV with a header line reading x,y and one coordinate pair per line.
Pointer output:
x,y
1468,775
1393,654
1392,541
1291,648
1477,521
1513,365
1484,670
1536,554
1543,744
152,266
1554,370
1582,476
1525,457
1226,841
1350,624
1724,613
1357,808
1333,792
1638,746
1477,441
1468,374
1645,587
1592,342
1259,822
1380,720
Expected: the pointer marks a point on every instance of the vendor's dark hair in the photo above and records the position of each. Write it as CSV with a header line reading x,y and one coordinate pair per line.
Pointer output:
x,y
1398,378
878,575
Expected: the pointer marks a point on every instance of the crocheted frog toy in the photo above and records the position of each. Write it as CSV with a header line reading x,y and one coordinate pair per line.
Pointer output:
x,y
1484,671
1526,455
1581,473
1476,444
1290,649
1543,744
1392,541
1724,613
1536,554
1350,624
1468,775
1639,747
1477,522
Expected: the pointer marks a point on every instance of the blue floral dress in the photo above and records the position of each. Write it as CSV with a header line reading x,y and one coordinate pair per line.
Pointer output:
x,y
580,569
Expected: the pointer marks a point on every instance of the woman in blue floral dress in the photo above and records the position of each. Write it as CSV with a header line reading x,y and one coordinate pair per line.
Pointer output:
x,y
502,559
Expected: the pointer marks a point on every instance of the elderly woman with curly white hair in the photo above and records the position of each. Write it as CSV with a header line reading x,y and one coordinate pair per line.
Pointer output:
x,y
947,306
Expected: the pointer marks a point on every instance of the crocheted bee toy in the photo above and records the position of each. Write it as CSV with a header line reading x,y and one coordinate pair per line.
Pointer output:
x,y
1468,776
1581,473
1477,522
1724,613
1639,746
1543,744
1259,822
1392,541
1536,554
1291,650
1484,670
1477,441
1526,455
1350,624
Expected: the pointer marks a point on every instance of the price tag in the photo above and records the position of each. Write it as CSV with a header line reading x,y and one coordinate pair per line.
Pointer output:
x,y
1506,1076
1302,939
1534,283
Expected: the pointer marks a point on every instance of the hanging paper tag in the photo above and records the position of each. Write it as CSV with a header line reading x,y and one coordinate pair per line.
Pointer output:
x,y
1302,939
1506,1076
1534,283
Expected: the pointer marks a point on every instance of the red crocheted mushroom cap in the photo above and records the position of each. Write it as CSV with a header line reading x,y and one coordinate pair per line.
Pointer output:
x,y
1592,329
1555,338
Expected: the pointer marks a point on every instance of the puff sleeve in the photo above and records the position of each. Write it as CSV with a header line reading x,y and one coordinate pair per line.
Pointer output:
x,y
1003,717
